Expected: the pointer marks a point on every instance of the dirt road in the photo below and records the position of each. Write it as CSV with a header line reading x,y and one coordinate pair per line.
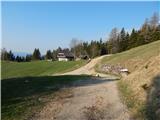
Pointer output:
x,y
92,99
87,69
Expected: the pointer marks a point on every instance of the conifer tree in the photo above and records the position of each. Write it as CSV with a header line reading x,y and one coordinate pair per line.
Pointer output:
x,y
36,55
48,54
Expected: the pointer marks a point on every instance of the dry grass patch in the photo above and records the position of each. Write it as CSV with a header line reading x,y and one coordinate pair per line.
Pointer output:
x,y
144,64
135,87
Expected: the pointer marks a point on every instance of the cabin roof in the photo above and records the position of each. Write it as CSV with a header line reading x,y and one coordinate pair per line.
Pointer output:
x,y
65,55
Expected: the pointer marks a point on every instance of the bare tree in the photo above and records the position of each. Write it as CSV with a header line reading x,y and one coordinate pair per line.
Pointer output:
x,y
76,46
145,30
113,41
74,42
4,54
154,20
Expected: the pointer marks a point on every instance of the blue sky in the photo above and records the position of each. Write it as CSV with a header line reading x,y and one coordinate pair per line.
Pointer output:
x,y
47,25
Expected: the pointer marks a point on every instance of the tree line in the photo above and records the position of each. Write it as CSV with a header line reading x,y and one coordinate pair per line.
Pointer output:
x,y
121,40
9,56
118,41
36,55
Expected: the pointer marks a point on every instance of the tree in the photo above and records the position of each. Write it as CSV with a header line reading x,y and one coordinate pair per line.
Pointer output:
x,y
123,43
154,22
59,49
145,31
103,49
11,56
36,55
127,40
54,55
76,47
146,26
28,58
4,54
18,59
132,39
79,49
23,59
113,42
48,54
7,55
94,49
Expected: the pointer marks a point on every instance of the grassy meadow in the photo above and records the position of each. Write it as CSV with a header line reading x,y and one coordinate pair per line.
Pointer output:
x,y
28,86
38,68
143,65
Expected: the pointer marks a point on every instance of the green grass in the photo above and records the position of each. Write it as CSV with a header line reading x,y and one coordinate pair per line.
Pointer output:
x,y
126,94
142,52
37,68
20,96
28,86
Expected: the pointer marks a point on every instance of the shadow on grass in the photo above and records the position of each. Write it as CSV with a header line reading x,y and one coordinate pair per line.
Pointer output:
x,y
19,94
153,100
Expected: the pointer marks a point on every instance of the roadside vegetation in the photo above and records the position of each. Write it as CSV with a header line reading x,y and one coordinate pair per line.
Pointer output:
x,y
139,90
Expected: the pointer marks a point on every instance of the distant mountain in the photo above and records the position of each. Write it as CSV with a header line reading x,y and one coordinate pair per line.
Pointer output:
x,y
22,54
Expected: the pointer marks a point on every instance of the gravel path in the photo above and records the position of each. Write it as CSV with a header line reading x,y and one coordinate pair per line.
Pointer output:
x,y
93,99
87,69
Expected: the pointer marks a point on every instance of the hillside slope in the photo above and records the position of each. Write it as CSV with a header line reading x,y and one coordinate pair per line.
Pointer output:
x,y
140,90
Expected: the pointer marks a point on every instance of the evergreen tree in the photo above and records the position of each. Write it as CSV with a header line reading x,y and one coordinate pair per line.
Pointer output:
x,y
11,56
127,41
122,41
18,59
59,49
23,59
133,39
36,55
48,54
28,58
103,50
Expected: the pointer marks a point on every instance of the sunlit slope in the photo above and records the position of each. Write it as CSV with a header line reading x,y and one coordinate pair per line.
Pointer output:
x,y
139,88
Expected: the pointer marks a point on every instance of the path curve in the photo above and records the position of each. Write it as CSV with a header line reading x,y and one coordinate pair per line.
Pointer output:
x,y
92,99
88,68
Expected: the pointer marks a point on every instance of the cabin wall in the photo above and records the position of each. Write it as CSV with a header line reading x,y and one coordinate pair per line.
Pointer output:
x,y
62,59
